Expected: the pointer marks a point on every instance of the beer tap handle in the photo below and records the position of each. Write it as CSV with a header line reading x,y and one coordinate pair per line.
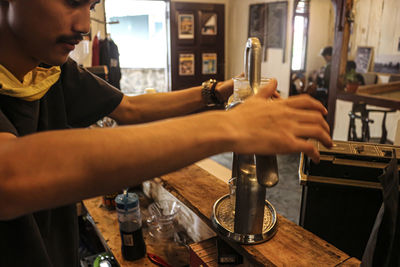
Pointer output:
x,y
252,63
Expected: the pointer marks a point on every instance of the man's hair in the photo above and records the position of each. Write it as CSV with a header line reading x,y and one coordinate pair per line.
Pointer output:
x,y
326,51
350,65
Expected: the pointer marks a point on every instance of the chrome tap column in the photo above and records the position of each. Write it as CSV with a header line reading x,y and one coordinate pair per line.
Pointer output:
x,y
253,219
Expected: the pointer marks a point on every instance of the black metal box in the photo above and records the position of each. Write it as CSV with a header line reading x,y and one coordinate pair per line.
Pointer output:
x,y
341,195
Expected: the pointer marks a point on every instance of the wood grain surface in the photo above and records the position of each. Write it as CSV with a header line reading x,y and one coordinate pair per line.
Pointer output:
x,y
107,225
197,189
383,95
291,246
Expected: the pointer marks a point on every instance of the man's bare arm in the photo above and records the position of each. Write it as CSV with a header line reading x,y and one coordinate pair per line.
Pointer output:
x,y
54,168
152,107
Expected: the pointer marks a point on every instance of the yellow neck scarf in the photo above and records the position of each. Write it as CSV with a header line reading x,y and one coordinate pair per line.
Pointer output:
x,y
36,83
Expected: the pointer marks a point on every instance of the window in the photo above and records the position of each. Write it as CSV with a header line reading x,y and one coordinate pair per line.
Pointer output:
x,y
300,31
141,32
141,37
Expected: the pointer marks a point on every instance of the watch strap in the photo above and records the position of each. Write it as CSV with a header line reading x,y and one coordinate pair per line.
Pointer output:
x,y
209,94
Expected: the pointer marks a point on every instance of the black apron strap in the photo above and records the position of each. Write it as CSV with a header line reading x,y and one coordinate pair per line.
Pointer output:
x,y
383,245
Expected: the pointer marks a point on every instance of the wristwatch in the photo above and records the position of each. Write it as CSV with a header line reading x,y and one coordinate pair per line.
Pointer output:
x,y
208,93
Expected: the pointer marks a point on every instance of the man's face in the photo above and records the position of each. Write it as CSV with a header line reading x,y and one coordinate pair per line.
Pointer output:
x,y
48,30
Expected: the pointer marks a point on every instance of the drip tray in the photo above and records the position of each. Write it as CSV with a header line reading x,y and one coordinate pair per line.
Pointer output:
x,y
223,220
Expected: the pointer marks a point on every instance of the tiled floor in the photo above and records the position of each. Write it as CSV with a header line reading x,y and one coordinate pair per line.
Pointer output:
x,y
286,195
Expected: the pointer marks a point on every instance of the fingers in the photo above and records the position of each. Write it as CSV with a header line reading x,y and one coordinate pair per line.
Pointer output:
x,y
309,149
268,90
276,95
313,131
293,121
309,124
306,102
307,116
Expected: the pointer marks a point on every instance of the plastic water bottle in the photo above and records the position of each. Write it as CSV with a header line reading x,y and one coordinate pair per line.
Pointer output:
x,y
130,226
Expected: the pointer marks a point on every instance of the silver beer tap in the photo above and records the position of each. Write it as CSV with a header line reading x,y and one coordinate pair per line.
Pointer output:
x,y
267,167
254,218
252,63
254,172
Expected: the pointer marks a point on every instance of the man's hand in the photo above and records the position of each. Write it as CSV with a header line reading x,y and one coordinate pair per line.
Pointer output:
x,y
265,126
224,90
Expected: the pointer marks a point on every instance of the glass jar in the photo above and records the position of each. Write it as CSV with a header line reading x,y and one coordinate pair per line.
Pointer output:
x,y
242,90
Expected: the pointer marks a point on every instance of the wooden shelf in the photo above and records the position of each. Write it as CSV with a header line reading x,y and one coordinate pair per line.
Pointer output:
x,y
382,95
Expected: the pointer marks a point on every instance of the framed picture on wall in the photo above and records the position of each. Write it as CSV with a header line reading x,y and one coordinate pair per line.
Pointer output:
x,y
209,23
186,26
387,63
257,22
186,64
363,58
276,24
209,63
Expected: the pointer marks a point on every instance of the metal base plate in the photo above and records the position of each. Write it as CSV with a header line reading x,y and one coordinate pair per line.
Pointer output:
x,y
224,216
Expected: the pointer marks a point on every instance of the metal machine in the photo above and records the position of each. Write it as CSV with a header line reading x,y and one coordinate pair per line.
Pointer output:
x,y
251,219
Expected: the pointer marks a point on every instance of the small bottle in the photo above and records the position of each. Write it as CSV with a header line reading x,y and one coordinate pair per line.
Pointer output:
x,y
109,201
130,226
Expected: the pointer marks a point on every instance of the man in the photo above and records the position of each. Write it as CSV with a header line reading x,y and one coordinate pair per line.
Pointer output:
x,y
326,53
45,168
318,84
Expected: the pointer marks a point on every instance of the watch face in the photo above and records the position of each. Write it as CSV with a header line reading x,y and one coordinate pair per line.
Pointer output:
x,y
105,263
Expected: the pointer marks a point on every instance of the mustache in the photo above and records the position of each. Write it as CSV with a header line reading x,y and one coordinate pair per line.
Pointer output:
x,y
70,38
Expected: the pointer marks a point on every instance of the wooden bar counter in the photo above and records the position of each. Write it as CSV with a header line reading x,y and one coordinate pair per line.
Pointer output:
x,y
198,190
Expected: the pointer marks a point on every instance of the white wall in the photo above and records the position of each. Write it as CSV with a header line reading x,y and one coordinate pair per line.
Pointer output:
x,y
236,26
376,24
342,122
368,25
238,30
204,1
320,32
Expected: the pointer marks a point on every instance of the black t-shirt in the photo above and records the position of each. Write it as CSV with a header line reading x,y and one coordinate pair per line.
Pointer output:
x,y
50,237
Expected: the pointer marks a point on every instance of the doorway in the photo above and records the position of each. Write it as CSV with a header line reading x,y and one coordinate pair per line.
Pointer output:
x,y
141,35
313,30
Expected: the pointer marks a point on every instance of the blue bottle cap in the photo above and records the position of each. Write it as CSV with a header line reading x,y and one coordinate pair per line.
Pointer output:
x,y
127,201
